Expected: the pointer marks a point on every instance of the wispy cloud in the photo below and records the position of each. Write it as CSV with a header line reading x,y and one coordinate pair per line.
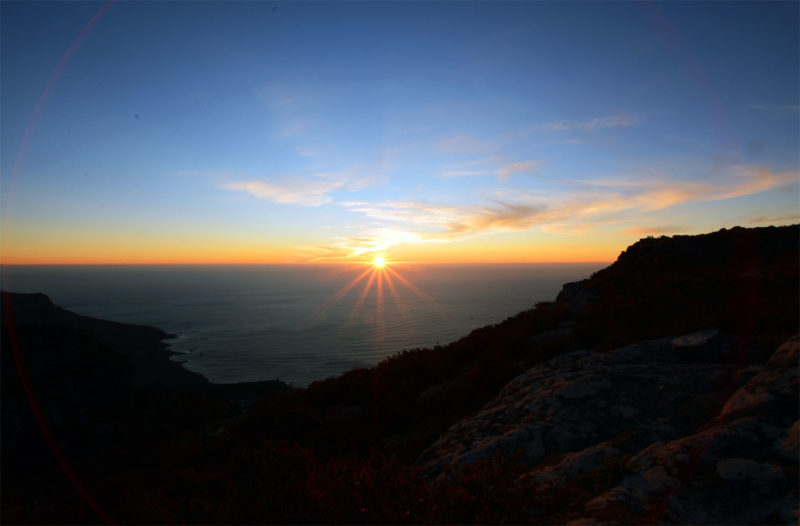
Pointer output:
x,y
588,204
289,128
659,194
287,109
311,191
773,220
505,172
307,152
375,240
434,221
293,191
358,177
482,167
612,121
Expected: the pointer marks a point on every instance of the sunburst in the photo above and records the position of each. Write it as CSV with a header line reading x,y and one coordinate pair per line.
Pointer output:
x,y
379,270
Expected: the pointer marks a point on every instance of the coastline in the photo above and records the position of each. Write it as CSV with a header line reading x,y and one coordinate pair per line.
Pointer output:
x,y
146,348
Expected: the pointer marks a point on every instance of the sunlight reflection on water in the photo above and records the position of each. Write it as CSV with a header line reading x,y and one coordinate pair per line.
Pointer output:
x,y
247,323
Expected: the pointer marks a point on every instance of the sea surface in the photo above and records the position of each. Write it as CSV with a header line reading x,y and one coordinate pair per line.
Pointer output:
x,y
297,323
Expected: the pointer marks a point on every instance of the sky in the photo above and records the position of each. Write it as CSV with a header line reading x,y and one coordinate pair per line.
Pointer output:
x,y
293,132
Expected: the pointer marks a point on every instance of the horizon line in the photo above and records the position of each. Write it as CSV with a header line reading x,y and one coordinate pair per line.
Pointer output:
x,y
298,263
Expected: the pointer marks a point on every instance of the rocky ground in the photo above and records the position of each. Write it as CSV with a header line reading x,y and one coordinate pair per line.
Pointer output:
x,y
695,434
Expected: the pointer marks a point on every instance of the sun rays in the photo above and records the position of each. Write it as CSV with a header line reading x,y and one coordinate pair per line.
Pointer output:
x,y
379,280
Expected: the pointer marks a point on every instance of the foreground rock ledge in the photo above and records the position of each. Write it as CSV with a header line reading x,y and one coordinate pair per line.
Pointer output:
x,y
697,436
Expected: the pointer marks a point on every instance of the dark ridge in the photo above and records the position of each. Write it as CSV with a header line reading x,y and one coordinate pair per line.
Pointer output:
x,y
143,346
742,281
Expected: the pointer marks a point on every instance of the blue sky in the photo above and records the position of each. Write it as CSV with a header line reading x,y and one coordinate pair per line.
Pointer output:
x,y
474,131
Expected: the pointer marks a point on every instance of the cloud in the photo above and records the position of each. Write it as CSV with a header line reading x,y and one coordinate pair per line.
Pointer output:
x,y
621,119
654,230
377,240
420,222
311,191
468,168
580,210
294,191
505,172
290,128
771,220
753,180
307,152
358,177
434,221
659,194
288,109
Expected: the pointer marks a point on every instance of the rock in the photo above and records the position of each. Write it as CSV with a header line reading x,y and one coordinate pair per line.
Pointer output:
x,y
775,386
790,445
582,398
734,471
747,470
575,296
665,430
574,464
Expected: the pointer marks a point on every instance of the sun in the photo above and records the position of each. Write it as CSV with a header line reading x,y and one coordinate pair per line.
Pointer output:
x,y
379,262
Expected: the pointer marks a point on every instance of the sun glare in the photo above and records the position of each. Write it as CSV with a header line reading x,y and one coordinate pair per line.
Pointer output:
x,y
379,279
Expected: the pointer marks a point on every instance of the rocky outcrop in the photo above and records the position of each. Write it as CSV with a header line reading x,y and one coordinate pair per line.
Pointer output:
x,y
694,434
576,296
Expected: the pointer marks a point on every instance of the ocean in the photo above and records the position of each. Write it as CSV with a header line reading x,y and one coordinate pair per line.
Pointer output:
x,y
297,323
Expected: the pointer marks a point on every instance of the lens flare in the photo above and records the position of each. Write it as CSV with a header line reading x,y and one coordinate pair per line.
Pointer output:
x,y
379,262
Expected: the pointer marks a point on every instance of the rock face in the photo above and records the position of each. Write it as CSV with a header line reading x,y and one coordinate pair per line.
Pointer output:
x,y
695,434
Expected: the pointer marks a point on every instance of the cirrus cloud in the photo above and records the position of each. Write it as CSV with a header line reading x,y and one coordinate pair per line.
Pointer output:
x,y
294,191
590,202
620,119
313,190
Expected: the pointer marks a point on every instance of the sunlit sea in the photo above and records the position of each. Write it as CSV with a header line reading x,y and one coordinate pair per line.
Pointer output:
x,y
297,323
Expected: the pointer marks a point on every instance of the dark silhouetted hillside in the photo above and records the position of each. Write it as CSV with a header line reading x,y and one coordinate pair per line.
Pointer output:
x,y
662,389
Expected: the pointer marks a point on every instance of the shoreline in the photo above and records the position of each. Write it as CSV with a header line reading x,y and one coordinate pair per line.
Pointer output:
x,y
147,348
